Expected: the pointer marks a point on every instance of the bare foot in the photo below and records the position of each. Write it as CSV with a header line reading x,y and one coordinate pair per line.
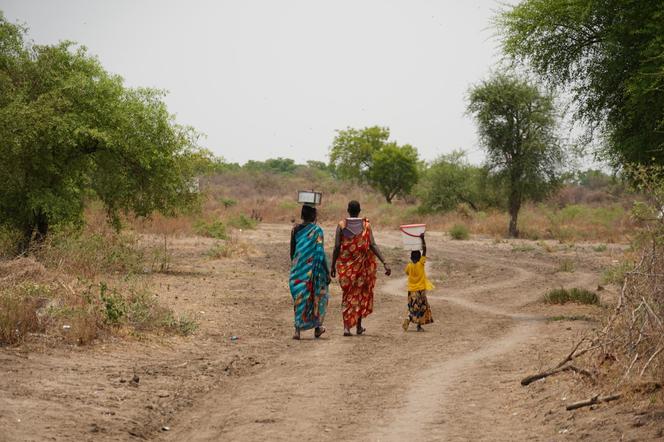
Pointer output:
x,y
318,332
347,332
296,335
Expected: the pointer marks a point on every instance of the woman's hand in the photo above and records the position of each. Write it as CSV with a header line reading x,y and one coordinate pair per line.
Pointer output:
x,y
388,270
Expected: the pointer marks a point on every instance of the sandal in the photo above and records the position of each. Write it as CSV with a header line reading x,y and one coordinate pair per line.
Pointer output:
x,y
360,330
318,332
347,332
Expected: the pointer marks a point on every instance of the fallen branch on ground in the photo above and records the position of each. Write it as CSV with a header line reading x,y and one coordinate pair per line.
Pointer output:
x,y
592,401
536,377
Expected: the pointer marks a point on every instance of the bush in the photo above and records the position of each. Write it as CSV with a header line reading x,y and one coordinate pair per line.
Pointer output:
x,y
459,232
228,248
18,315
115,307
183,324
600,248
228,202
79,314
616,274
91,253
215,229
242,222
563,296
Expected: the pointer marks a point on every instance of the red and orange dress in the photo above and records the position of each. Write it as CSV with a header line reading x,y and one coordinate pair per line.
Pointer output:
x,y
356,266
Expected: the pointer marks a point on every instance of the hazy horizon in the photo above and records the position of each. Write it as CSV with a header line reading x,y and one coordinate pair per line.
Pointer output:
x,y
266,79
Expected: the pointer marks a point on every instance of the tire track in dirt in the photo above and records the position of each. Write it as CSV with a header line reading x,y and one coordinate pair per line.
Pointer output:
x,y
428,402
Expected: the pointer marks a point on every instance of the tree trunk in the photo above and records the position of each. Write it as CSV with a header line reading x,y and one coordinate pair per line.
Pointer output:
x,y
42,228
26,238
388,198
514,207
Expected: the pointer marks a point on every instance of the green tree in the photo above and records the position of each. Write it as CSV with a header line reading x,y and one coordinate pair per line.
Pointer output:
x,y
70,131
273,165
394,170
366,156
517,128
610,55
204,162
352,151
449,181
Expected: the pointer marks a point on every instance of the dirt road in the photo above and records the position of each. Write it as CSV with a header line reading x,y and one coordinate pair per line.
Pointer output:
x,y
458,380
444,384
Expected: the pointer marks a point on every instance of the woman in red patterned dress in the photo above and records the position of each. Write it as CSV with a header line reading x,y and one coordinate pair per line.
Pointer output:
x,y
354,257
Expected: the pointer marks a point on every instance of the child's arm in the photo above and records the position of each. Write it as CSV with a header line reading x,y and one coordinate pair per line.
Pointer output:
x,y
424,245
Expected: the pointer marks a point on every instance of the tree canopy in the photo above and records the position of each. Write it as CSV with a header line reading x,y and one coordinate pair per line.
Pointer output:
x,y
351,154
517,128
366,156
609,55
394,170
69,131
450,181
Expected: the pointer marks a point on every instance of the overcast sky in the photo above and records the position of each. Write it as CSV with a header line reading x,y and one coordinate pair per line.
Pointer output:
x,y
276,78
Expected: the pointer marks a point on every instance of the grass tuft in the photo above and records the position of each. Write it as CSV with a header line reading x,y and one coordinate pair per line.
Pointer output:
x,y
566,265
577,295
616,274
569,318
459,232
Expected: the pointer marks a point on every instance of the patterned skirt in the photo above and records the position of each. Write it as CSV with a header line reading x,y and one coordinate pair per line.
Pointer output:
x,y
419,311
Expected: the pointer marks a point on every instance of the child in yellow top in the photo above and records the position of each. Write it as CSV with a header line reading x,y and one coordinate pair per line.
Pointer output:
x,y
419,311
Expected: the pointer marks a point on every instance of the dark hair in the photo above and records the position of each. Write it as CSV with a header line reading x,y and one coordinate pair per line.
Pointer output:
x,y
415,255
354,208
308,213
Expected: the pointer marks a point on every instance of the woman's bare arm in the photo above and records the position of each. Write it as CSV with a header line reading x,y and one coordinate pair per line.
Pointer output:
x,y
335,253
374,248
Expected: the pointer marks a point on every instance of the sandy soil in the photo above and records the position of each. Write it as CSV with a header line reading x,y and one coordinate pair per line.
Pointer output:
x,y
458,380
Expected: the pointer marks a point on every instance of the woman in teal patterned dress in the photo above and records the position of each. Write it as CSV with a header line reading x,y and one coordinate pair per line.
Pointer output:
x,y
310,274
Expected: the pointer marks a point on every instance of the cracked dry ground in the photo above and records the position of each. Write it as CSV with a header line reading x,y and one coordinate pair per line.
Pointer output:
x,y
459,380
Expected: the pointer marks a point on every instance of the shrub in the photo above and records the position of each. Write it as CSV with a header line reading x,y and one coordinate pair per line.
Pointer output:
x,y
228,248
242,222
616,274
215,229
563,296
228,202
91,253
459,232
183,324
145,313
600,248
115,307
18,315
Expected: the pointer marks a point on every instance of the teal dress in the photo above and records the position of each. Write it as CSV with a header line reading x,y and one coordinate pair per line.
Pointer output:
x,y
308,277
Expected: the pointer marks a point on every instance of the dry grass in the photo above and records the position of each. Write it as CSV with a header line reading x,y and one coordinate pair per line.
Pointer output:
x,y
67,300
272,198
